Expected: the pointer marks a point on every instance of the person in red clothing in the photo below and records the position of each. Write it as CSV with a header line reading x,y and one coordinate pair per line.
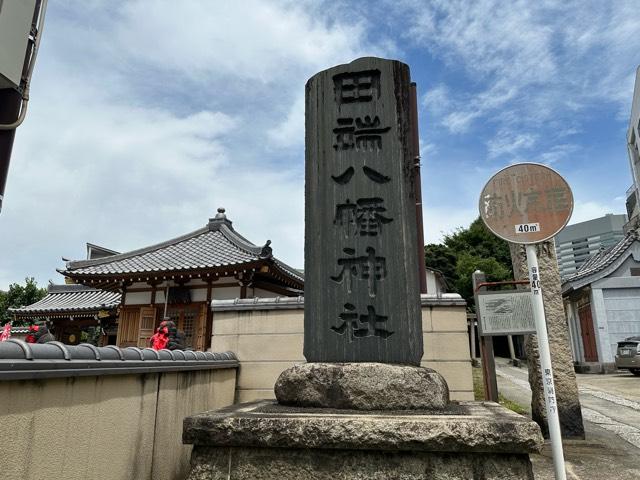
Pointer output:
x,y
160,339
167,336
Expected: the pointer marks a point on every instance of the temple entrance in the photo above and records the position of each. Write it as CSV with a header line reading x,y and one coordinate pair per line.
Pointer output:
x,y
588,334
190,318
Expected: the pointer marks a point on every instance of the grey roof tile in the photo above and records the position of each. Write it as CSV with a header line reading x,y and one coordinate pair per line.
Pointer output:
x,y
216,245
602,259
71,298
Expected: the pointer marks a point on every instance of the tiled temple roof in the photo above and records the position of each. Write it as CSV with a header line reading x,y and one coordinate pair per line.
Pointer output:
x,y
600,261
212,247
70,299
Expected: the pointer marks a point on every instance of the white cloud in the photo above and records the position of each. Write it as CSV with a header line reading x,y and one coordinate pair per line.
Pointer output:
x,y
437,99
509,143
138,130
557,153
442,220
532,64
290,132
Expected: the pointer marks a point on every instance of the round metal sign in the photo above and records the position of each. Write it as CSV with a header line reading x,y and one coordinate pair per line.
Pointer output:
x,y
526,203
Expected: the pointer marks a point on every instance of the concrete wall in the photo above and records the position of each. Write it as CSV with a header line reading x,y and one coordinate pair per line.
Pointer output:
x,y
111,426
268,341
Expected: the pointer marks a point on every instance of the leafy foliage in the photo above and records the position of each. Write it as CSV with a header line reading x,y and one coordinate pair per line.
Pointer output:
x,y
19,296
467,250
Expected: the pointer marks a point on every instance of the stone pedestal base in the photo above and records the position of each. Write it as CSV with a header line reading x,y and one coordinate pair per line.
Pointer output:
x,y
362,386
264,440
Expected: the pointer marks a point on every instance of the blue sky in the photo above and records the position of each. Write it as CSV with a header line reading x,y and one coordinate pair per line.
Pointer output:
x,y
147,115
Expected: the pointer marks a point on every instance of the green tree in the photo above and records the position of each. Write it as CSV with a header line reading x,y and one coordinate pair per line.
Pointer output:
x,y
467,263
19,296
466,250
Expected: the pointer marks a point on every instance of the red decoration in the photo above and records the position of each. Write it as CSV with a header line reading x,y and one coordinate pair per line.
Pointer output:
x,y
160,339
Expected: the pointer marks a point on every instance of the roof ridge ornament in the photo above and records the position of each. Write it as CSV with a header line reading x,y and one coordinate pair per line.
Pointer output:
x,y
267,251
219,219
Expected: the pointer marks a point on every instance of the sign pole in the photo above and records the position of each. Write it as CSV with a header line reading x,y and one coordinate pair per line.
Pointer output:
x,y
553,418
487,356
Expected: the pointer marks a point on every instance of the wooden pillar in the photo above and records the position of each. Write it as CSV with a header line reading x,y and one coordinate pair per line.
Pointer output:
x,y
124,294
209,318
486,349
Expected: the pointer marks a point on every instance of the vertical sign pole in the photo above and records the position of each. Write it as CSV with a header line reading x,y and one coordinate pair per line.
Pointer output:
x,y
487,357
545,363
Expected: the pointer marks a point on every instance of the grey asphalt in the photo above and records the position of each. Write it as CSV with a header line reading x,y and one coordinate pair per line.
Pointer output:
x,y
611,408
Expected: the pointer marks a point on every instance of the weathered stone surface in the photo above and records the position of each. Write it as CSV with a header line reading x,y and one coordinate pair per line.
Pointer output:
x,y
215,463
462,427
264,440
564,376
362,386
362,297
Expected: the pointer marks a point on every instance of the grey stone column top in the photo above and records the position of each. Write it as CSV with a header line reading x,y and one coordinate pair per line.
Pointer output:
x,y
462,427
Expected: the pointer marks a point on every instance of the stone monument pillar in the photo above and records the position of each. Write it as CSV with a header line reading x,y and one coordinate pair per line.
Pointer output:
x,y
362,291
362,407
564,375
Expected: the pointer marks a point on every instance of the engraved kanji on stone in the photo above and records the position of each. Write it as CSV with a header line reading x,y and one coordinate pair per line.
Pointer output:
x,y
372,174
365,217
346,218
357,86
361,133
365,267
357,326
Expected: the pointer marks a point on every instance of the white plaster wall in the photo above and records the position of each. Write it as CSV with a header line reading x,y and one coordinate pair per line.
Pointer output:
x,y
138,298
623,313
624,270
432,284
258,292
199,295
226,293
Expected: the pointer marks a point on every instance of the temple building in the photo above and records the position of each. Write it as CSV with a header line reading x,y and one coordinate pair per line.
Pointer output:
x,y
180,277
75,314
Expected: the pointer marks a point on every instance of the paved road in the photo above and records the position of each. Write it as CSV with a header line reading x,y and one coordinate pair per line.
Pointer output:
x,y
611,408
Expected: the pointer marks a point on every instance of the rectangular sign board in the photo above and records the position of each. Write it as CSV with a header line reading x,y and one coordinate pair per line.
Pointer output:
x,y
505,313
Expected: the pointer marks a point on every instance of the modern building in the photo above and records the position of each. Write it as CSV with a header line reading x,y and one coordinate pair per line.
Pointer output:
x,y
576,243
633,147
